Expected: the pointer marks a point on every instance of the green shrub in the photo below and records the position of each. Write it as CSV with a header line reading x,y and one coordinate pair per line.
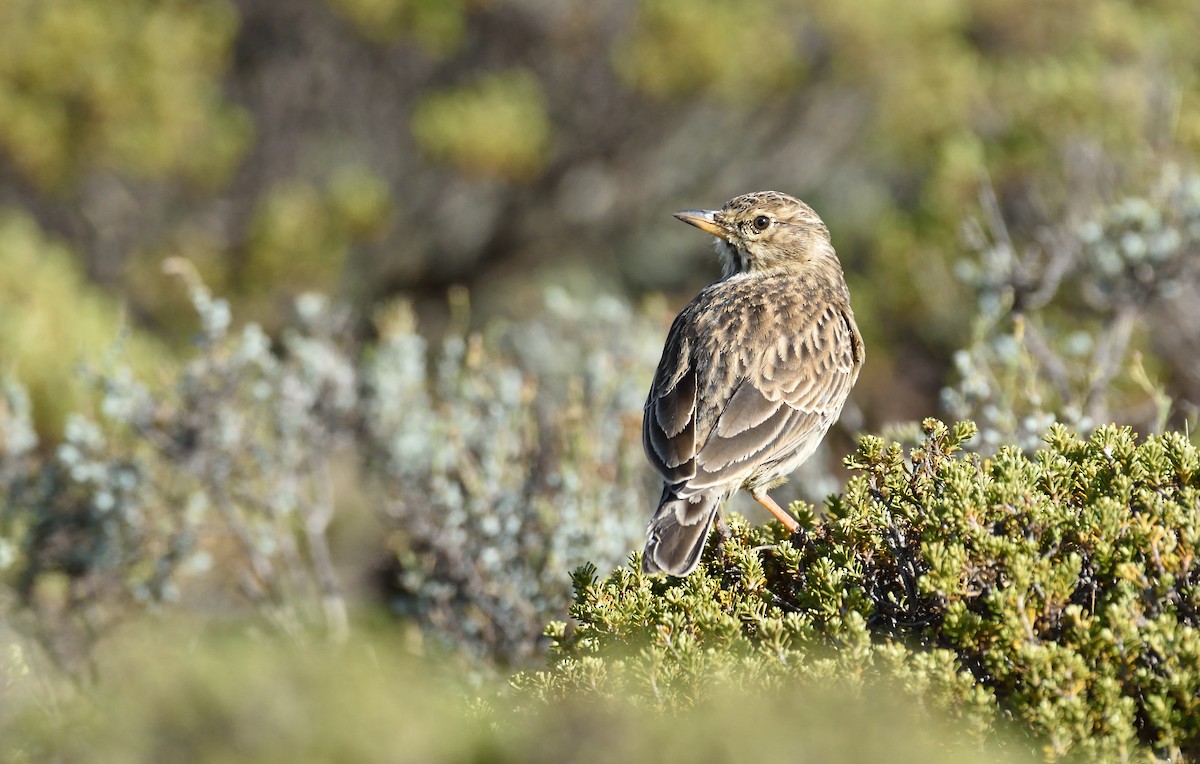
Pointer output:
x,y
87,84
1057,590
739,51
52,320
497,125
436,25
174,691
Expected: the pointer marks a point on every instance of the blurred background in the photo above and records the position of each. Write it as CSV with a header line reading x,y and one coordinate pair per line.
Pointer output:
x,y
374,148
481,190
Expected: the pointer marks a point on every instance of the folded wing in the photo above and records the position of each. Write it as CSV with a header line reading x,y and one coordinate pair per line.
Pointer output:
x,y
782,402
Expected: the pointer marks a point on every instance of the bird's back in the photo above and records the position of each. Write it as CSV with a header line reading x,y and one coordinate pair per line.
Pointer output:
x,y
750,367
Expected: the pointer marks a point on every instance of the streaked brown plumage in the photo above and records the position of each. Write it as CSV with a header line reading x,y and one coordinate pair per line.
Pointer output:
x,y
754,371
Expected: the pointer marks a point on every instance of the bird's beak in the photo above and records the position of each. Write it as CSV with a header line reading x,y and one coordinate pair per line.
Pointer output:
x,y
705,220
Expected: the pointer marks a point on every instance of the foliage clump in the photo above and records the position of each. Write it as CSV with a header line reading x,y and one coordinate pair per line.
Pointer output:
x,y
1057,590
220,697
216,479
39,341
742,51
131,85
437,26
1061,329
496,126
496,462
506,461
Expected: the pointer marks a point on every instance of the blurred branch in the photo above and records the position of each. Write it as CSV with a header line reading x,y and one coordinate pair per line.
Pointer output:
x,y
1112,343
318,515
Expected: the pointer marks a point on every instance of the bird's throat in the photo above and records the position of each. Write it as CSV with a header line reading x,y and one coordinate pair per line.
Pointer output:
x,y
733,260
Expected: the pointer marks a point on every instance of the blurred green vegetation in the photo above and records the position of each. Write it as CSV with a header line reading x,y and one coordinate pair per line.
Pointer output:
x,y
743,52
436,25
175,692
127,86
495,126
301,235
1004,93
153,129
52,320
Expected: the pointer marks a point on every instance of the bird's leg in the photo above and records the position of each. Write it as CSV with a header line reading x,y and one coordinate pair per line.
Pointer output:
x,y
723,529
788,521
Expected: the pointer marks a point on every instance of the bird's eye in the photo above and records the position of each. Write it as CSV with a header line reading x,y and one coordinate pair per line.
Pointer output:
x,y
762,222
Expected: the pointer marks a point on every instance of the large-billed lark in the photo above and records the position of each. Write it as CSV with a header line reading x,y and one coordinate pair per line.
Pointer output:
x,y
754,371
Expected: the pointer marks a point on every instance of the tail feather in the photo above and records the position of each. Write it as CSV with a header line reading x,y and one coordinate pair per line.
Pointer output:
x,y
678,531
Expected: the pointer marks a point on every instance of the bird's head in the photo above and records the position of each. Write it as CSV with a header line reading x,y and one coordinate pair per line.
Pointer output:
x,y
764,232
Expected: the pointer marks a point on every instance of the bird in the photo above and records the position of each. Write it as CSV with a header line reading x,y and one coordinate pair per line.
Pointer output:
x,y
753,373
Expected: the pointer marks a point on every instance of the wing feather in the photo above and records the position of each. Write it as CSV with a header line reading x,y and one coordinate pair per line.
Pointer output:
x,y
783,405
675,409
669,418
